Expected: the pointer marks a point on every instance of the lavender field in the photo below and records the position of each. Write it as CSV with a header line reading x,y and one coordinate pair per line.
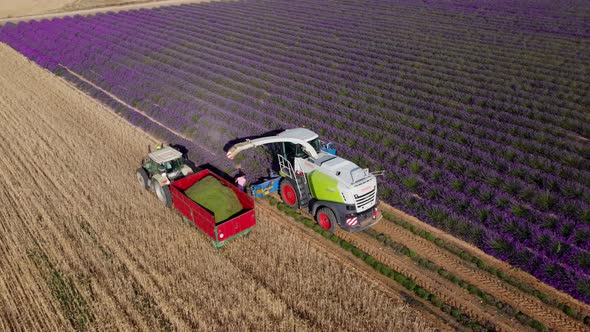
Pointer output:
x,y
478,111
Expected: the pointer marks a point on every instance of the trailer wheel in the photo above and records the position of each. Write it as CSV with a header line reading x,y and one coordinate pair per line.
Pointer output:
x,y
326,218
289,193
163,193
142,178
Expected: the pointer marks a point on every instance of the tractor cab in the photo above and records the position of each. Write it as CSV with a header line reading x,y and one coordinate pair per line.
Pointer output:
x,y
160,168
290,151
168,162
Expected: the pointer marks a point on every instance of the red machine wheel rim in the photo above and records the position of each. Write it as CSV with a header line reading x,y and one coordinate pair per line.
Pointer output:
x,y
324,221
289,195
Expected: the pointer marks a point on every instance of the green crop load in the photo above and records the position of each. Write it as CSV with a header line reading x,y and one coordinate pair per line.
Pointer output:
x,y
214,196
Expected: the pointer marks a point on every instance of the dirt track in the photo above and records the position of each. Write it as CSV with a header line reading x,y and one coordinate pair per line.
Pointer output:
x,y
15,9
82,247
91,7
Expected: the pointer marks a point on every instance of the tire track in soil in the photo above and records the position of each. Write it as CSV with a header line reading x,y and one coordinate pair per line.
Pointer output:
x,y
442,288
528,304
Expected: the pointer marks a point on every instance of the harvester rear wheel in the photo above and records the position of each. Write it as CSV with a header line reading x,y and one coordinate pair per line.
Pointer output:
x,y
326,219
142,178
163,193
288,192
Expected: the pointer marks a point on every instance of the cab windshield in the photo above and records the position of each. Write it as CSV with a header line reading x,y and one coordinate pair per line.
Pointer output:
x,y
315,143
171,166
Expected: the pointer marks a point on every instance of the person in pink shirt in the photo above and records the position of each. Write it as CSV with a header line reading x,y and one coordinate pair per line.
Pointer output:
x,y
241,180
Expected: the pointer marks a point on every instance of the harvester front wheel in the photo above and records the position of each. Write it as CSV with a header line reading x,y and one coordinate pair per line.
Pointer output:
x,y
163,193
289,193
142,178
326,218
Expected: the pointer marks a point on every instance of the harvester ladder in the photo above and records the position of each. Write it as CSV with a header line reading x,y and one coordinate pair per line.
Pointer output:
x,y
301,181
303,192
286,168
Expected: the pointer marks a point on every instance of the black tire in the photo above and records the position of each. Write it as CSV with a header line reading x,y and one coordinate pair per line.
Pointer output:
x,y
289,193
142,178
326,218
163,193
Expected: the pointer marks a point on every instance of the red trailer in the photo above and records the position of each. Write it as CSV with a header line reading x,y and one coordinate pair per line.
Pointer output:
x,y
239,224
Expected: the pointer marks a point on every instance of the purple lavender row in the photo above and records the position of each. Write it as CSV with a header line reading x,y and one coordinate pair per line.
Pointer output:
x,y
540,16
386,29
545,243
564,145
333,46
529,17
475,201
435,185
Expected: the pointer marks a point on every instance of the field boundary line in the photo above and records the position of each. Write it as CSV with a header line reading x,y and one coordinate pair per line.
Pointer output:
x,y
117,99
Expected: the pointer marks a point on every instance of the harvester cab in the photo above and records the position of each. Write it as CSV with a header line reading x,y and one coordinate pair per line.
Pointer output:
x,y
159,169
332,189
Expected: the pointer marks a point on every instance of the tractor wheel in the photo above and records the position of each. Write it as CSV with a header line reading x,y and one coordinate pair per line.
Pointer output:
x,y
142,178
289,194
163,193
326,218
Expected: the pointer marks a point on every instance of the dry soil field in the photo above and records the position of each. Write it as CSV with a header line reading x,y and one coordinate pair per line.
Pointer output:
x,y
83,248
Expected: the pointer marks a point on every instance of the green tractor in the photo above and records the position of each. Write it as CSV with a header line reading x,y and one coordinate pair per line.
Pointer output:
x,y
159,169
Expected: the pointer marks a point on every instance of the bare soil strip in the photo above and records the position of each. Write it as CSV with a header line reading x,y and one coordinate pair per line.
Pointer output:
x,y
84,248
71,11
14,9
